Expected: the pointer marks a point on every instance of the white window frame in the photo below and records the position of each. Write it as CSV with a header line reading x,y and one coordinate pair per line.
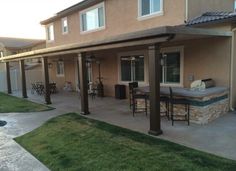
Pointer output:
x,y
1,53
133,53
62,25
61,74
151,15
89,9
179,49
234,5
47,33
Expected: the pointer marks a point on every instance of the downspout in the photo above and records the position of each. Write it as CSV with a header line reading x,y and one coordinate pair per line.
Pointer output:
x,y
186,10
232,69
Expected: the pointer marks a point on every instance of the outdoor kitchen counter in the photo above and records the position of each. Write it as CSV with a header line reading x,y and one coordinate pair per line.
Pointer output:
x,y
205,105
188,93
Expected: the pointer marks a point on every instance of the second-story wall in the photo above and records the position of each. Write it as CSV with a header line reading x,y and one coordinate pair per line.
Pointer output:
x,y
121,16
198,7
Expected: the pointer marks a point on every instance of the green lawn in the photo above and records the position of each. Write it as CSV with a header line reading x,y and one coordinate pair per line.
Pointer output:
x,y
9,104
72,142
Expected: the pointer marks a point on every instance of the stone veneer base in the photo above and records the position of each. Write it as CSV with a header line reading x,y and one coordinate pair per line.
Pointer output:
x,y
201,114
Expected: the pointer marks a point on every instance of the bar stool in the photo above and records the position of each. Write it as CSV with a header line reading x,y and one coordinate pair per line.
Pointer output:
x,y
132,86
135,106
178,101
165,100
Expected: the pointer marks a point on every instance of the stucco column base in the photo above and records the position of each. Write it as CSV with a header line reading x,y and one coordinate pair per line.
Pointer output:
x,y
84,113
155,133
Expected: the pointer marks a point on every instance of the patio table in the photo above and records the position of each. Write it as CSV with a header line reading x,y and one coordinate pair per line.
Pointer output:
x,y
38,87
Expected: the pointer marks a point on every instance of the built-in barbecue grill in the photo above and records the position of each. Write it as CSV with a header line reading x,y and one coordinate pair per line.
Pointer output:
x,y
202,84
209,83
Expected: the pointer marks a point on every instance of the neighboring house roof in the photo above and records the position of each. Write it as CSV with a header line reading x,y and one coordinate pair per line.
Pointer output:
x,y
19,42
77,7
212,17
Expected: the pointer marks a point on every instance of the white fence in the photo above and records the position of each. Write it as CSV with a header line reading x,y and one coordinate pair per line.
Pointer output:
x,y
31,77
15,80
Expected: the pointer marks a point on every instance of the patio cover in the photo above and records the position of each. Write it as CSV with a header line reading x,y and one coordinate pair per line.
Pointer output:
x,y
150,36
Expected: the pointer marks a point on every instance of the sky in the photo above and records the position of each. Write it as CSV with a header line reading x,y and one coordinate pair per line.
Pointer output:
x,y
21,18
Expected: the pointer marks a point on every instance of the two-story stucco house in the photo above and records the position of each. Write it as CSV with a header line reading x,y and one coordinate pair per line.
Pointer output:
x,y
166,42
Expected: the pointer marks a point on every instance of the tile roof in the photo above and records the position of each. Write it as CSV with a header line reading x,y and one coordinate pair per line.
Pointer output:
x,y
211,17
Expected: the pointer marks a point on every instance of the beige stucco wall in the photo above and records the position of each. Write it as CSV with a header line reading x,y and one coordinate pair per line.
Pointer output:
x,y
208,58
33,75
200,59
109,73
203,58
233,88
121,17
69,75
198,7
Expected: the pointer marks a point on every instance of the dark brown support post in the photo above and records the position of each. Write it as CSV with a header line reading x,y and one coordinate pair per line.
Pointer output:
x,y
83,83
46,80
154,82
9,90
78,77
23,79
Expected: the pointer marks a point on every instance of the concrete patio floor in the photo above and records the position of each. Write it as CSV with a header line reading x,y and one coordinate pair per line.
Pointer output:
x,y
217,137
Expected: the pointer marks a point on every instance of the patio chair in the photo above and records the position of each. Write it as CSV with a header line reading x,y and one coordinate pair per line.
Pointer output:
x,y
33,88
136,99
92,90
178,101
132,86
39,89
53,88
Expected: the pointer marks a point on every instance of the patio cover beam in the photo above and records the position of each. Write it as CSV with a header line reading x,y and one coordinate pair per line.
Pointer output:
x,y
8,75
83,82
154,83
144,37
46,80
23,79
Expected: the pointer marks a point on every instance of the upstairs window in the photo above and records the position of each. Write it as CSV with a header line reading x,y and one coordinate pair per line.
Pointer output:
x,y
150,7
93,18
64,25
50,32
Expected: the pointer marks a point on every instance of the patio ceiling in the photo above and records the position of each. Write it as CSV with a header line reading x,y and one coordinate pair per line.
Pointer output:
x,y
146,37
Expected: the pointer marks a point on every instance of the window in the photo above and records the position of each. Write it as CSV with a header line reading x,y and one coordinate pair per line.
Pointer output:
x,y
64,25
150,7
50,32
1,54
60,68
235,6
132,68
93,18
172,67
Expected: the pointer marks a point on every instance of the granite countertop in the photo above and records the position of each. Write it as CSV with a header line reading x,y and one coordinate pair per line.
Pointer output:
x,y
186,92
